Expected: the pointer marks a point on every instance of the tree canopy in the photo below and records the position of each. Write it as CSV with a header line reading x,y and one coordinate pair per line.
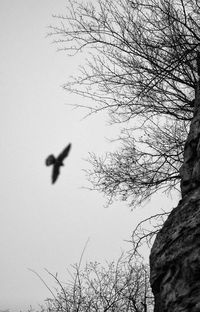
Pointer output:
x,y
141,68
117,286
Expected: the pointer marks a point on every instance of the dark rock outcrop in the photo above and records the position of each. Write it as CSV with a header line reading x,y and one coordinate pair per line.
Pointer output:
x,y
175,255
190,170
175,259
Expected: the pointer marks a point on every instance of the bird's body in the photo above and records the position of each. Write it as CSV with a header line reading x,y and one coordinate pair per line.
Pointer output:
x,y
57,162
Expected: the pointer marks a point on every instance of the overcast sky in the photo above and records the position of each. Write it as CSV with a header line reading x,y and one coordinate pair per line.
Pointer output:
x,y
45,226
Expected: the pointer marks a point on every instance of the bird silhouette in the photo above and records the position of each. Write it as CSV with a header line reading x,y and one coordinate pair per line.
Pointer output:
x,y
57,162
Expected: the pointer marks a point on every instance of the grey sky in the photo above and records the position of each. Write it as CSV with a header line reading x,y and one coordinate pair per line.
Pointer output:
x,y
45,226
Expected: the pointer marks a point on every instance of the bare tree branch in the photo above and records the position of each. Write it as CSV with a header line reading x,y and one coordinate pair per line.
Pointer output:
x,y
140,67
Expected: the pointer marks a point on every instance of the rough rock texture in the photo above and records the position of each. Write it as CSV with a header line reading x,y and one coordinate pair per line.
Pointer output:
x,y
175,259
190,170
175,255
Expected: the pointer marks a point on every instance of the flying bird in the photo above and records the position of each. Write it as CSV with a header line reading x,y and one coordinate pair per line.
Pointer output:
x,y
57,162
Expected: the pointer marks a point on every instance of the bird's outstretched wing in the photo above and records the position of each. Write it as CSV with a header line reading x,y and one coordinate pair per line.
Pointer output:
x,y
50,160
55,173
64,153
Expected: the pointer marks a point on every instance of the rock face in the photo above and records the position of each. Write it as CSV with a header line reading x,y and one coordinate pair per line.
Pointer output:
x,y
190,170
175,259
175,255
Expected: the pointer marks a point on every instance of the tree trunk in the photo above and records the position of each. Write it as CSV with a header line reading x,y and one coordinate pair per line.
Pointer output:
x,y
175,255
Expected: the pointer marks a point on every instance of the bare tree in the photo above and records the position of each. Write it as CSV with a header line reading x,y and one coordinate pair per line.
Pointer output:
x,y
117,286
140,68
